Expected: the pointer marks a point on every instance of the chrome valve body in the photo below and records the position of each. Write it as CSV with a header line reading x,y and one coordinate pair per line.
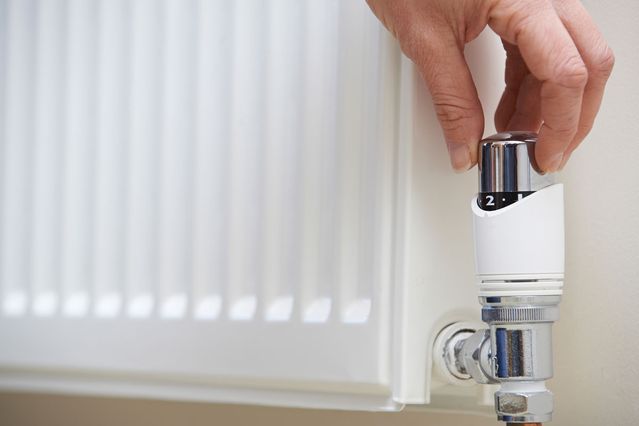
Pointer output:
x,y
514,351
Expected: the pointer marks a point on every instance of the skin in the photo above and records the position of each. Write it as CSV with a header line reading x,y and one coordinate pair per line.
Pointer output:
x,y
557,65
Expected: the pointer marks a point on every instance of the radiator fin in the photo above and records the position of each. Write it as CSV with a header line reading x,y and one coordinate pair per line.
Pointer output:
x,y
194,159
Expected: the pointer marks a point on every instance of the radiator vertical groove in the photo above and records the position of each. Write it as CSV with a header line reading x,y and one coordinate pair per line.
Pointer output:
x,y
47,155
79,158
17,165
352,71
387,132
374,174
282,203
176,160
211,156
371,175
319,140
4,23
143,158
111,145
247,143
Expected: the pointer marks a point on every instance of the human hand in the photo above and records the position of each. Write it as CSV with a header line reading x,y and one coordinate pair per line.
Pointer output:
x,y
557,65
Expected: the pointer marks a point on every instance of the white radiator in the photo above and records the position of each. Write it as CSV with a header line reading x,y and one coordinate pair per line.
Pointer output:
x,y
222,201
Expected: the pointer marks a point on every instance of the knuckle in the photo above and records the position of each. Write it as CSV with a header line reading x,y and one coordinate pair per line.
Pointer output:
x,y
421,37
453,111
572,72
409,39
413,39
522,16
603,63
402,19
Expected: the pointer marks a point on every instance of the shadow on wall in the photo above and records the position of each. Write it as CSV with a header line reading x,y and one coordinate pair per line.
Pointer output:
x,y
57,410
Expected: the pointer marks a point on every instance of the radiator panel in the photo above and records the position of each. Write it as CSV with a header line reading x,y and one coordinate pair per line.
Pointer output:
x,y
188,183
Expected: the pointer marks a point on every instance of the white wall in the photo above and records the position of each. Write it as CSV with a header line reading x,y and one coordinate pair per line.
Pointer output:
x,y
597,339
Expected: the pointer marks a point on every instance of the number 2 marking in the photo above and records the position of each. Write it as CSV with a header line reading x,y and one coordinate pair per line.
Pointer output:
x,y
491,200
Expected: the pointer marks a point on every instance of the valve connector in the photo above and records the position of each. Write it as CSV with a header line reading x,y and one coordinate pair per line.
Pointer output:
x,y
521,354
518,356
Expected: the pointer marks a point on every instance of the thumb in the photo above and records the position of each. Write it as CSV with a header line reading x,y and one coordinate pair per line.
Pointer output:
x,y
456,102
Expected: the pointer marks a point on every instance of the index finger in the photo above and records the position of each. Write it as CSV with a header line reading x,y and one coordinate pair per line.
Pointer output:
x,y
553,58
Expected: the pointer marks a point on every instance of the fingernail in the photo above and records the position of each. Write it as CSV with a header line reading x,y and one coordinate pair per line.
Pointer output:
x,y
555,162
459,157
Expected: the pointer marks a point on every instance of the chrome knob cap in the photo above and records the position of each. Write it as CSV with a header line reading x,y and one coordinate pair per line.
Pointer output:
x,y
507,169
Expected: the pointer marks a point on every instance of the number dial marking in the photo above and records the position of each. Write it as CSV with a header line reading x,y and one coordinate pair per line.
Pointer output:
x,y
498,200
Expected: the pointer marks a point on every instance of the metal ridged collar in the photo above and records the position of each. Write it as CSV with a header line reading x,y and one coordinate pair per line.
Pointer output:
x,y
513,314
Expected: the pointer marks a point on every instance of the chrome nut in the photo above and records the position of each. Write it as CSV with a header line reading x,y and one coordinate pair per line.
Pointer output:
x,y
475,357
524,406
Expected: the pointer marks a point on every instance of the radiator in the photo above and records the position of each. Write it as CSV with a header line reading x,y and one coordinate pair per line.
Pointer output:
x,y
225,201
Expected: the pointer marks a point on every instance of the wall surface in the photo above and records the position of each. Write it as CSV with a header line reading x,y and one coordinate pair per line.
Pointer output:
x,y
596,342
37,410
596,376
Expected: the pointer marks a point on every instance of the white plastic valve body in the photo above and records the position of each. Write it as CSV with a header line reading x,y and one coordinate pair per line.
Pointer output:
x,y
519,249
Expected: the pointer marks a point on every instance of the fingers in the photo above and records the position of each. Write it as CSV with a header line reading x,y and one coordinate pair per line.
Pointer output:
x,y
516,70
598,58
431,40
557,67
455,99
527,112
457,106
553,58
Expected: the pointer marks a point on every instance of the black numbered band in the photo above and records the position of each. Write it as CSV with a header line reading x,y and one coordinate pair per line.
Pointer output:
x,y
498,200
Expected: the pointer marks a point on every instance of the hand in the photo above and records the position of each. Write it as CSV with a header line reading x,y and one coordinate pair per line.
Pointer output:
x,y
557,65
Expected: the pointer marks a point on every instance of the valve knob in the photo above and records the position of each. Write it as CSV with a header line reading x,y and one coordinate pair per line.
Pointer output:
x,y
507,169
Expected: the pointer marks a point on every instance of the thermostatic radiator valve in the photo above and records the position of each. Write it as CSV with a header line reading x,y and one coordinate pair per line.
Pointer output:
x,y
519,253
